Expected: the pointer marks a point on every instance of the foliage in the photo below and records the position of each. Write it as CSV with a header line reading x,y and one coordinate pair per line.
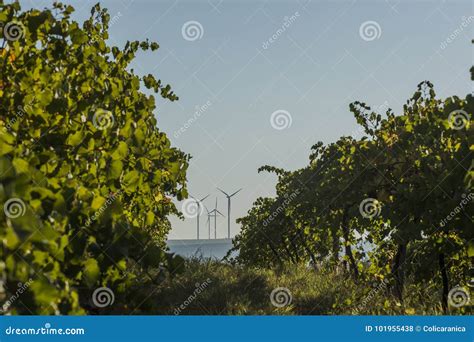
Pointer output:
x,y
82,157
381,205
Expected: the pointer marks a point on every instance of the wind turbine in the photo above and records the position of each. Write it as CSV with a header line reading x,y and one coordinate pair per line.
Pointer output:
x,y
209,216
228,208
198,203
215,212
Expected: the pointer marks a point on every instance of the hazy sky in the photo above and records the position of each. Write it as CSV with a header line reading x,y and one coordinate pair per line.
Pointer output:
x,y
241,63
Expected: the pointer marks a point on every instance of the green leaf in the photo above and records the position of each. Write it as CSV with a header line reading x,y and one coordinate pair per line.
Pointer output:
x,y
91,272
97,203
78,37
150,218
21,165
120,152
470,250
75,138
45,293
5,148
115,169
131,181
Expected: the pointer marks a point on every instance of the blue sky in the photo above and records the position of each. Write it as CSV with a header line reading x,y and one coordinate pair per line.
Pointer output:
x,y
312,70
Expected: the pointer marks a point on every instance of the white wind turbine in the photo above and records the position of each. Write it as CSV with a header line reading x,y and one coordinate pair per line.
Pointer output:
x,y
215,212
198,203
209,216
228,208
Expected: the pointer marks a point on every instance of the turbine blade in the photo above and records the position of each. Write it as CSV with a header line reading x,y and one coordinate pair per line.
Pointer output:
x,y
225,193
202,199
235,192
220,213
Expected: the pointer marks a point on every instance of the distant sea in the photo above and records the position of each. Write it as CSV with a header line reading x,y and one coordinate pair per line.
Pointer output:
x,y
214,249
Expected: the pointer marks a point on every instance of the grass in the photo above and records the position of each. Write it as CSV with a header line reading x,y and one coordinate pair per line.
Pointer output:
x,y
212,288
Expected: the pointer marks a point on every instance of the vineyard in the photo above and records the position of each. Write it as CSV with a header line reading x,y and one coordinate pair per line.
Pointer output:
x,y
393,204
378,222
85,174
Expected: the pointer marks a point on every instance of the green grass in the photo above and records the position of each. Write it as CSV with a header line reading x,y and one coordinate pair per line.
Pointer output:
x,y
235,290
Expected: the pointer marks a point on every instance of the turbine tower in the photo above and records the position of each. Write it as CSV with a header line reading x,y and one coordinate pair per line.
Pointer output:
x,y
228,208
209,216
198,203
215,212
